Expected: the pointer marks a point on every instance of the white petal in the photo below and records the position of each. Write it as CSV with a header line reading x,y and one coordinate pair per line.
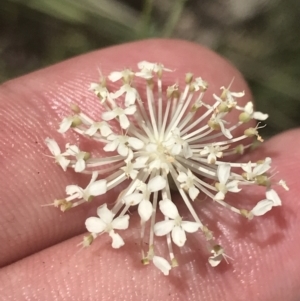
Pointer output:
x,y
190,227
117,240
145,210
247,167
225,131
237,94
233,186
193,192
97,188
262,207
119,92
63,162
260,116
111,146
157,183
272,195
219,196
108,115
163,227
65,125
105,214
133,199
176,149
205,151
262,168
140,162
105,129
182,177
124,122
92,130
80,165
135,143
249,107
145,73
53,146
121,222
223,173
93,178
123,150
72,189
178,236
94,225
130,97
94,86
145,64
133,174
162,264
115,76
187,152
72,149
130,110
168,208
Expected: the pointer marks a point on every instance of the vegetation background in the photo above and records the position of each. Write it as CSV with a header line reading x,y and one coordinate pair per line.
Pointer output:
x,y
260,37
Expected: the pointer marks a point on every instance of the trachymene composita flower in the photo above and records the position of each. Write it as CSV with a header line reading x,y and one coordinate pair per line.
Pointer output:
x,y
171,139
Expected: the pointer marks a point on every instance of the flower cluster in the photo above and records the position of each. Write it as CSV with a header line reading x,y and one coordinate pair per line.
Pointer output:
x,y
170,139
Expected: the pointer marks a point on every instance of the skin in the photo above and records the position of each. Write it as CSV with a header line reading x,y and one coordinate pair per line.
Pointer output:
x,y
38,253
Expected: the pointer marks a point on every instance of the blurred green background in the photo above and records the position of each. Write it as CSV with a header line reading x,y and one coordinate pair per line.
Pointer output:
x,y
260,37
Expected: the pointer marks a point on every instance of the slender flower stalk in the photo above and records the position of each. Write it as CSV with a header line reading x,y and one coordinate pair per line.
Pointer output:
x,y
169,140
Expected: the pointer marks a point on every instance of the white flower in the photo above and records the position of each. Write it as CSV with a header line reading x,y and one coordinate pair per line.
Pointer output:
x,y
80,156
176,145
147,68
199,84
217,254
132,169
130,97
60,158
126,74
160,144
121,114
223,186
123,144
217,122
107,223
259,169
101,126
230,97
100,90
213,152
187,183
142,199
251,114
175,224
93,189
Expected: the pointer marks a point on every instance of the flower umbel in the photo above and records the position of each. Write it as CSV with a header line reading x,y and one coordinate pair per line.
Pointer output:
x,y
167,140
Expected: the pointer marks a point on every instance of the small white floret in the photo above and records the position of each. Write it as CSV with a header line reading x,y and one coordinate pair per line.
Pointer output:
x,y
107,223
55,151
175,225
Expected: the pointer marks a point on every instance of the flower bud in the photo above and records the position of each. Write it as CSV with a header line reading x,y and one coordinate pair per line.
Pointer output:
x,y
189,78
